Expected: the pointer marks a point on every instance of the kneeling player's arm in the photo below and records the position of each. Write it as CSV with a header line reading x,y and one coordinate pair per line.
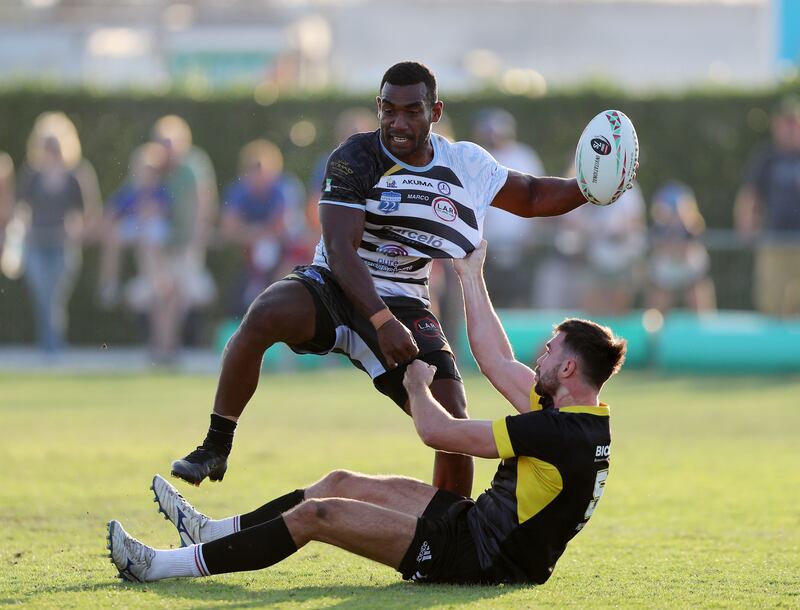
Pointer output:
x,y
441,431
529,196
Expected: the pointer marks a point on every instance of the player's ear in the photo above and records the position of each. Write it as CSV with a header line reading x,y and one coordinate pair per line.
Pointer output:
x,y
436,111
569,367
378,104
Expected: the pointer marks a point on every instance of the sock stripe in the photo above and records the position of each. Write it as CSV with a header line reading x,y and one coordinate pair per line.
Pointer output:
x,y
199,562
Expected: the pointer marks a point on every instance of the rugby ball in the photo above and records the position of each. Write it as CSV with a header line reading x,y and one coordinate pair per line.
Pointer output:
x,y
606,157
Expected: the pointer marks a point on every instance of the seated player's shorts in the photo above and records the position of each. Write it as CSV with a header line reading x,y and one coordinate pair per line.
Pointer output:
x,y
340,329
443,550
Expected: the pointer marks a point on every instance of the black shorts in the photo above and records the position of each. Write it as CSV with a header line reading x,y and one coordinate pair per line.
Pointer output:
x,y
340,329
443,549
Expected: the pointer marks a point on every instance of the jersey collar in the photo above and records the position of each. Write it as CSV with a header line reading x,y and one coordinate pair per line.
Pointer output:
x,y
413,168
603,410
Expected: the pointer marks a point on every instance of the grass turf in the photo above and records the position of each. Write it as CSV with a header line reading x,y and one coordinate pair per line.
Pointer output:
x,y
700,509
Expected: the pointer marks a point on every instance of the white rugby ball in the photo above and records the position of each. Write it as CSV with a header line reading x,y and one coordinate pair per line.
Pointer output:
x,y
606,157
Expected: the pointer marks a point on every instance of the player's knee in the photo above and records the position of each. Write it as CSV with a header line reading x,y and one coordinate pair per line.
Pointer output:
x,y
261,322
336,482
457,407
450,393
315,512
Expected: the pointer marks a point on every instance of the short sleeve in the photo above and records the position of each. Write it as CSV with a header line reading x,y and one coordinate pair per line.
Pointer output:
x,y
483,176
343,182
537,434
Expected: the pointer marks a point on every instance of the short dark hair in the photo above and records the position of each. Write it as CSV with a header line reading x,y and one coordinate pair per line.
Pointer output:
x,y
601,354
411,73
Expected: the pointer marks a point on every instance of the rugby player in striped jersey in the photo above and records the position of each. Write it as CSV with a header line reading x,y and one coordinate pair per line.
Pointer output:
x,y
393,200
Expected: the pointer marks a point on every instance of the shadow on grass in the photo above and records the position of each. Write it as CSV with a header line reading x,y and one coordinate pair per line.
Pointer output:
x,y
397,595
255,595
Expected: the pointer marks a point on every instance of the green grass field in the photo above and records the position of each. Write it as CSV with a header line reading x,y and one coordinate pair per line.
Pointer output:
x,y
702,508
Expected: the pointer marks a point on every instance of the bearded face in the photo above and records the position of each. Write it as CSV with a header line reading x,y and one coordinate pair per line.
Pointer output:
x,y
547,384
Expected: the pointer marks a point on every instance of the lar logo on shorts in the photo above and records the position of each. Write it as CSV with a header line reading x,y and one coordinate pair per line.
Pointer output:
x,y
428,326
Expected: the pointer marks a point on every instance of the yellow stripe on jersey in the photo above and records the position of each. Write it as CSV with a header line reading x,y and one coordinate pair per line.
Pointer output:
x,y
603,410
501,439
538,483
535,406
393,170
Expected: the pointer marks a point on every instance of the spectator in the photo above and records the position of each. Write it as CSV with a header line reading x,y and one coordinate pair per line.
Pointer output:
x,y
60,210
767,210
191,183
678,264
615,241
257,213
138,215
192,222
507,273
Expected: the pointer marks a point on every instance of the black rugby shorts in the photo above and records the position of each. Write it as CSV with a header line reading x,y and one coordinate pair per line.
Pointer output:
x,y
340,329
443,550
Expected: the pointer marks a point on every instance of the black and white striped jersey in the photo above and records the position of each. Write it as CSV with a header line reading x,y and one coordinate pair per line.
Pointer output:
x,y
412,214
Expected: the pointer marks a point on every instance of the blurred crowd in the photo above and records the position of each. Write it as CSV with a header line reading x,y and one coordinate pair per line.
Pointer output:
x,y
170,209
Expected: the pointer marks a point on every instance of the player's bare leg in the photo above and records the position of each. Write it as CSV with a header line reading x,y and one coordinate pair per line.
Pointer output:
x,y
402,494
368,530
284,312
452,471
372,531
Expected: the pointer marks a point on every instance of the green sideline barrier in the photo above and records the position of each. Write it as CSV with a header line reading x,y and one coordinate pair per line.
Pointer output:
x,y
728,342
724,342
528,330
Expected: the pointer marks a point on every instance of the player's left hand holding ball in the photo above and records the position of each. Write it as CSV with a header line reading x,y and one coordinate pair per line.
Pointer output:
x,y
607,157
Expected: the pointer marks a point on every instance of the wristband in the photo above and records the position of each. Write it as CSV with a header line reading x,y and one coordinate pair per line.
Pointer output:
x,y
380,318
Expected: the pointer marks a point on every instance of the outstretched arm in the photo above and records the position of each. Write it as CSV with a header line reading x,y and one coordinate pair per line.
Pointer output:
x,y
529,196
436,427
487,339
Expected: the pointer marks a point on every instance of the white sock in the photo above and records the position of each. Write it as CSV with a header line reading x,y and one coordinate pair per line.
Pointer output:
x,y
186,561
219,528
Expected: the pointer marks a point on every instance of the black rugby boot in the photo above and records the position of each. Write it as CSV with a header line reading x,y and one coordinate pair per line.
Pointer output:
x,y
206,461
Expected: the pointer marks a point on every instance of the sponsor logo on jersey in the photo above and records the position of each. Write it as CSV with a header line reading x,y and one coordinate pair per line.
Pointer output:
x,y
390,202
428,327
444,188
444,209
388,265
602,451
423,238
391,183
328,187
600,145
393,250
420,196
341,167
417,182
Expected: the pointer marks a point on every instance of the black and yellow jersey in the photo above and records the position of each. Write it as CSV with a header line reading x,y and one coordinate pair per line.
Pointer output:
x,y
412,214
554,467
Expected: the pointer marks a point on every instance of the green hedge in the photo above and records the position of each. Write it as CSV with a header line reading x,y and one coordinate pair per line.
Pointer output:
x,y
702,138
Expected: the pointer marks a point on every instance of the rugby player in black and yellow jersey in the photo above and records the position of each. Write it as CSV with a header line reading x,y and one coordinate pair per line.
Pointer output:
x,y
555,459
